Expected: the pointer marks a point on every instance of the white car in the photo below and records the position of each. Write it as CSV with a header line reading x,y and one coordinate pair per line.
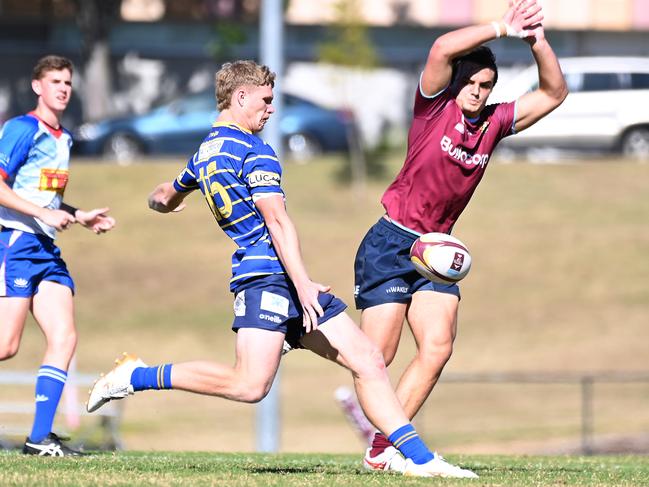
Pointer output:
x,y
607,108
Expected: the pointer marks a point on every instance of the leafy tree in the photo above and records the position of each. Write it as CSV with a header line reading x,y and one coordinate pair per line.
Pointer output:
x,y
349,45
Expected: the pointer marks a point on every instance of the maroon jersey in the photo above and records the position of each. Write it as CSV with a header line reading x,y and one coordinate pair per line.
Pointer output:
x,y
447,156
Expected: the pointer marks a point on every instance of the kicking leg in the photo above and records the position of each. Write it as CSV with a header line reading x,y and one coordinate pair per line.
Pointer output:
x,y
258,354
383,324
432,317
340,340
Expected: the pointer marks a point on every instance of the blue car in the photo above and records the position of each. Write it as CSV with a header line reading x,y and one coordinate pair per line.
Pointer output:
x,y
179,127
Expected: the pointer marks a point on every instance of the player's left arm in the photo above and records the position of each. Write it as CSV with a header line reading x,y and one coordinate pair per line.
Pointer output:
x,y
552,90
287,245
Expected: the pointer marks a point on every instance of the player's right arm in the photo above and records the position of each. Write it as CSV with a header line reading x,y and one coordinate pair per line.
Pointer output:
x,y
169,197
436,76
15,143
165,199
58,219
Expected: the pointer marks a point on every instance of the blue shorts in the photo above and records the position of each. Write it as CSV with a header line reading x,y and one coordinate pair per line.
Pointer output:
x,y
27,259
271,303
383,272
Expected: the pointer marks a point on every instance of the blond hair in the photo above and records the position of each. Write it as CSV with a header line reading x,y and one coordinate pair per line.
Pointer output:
x,y
240,73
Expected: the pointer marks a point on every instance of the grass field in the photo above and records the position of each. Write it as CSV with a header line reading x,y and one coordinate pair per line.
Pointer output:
x,y
197,469
559,284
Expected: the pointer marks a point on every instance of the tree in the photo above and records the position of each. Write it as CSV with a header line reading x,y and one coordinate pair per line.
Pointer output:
x,y
349,46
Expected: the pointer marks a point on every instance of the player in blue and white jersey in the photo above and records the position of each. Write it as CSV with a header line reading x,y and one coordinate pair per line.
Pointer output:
x,y
275,299
34,157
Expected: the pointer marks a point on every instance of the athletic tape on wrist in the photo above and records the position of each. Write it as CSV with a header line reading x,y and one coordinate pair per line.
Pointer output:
x,y
68,208
496,27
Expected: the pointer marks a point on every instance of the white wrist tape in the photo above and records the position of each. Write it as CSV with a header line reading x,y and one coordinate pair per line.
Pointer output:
x,y
496,27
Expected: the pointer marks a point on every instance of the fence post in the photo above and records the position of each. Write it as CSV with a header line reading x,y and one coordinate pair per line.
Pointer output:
x,y
587,414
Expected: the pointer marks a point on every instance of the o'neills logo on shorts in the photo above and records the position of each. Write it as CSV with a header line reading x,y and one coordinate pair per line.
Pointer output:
x,y
461,155
274,319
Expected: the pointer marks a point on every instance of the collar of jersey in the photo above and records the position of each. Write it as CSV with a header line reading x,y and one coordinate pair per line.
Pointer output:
x,y
230,124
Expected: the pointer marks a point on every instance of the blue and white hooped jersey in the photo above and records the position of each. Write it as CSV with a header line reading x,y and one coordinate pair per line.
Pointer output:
x,y
34,161
233,168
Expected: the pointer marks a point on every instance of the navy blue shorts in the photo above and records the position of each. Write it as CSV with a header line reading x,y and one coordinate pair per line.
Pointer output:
x,y
271,303
383,272
27,259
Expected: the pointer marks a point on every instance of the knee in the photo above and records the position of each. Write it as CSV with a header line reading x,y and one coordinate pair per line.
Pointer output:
x,y
369,363
253,393
436,351
8,349
64,343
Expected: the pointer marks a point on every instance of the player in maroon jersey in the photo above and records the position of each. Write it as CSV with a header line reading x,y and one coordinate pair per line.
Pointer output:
x,y
450,142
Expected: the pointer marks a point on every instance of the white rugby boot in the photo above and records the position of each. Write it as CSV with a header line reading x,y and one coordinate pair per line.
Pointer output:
x,y
116,384
437,467
390,459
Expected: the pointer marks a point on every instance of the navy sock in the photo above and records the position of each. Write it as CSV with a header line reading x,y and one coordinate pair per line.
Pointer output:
x,y
407,441
49,387
158,377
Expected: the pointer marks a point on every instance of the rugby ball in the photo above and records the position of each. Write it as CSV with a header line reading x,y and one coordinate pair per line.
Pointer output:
x,y
440,258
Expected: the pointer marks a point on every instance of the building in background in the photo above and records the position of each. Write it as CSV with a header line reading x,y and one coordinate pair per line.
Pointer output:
x,y
615,15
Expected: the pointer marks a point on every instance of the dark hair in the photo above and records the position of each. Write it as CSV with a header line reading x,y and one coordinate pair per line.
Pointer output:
x,y
239,73
482,56
51,63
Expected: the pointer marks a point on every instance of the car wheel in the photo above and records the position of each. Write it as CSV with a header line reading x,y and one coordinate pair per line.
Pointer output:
x,y
123,148
302,147
635,143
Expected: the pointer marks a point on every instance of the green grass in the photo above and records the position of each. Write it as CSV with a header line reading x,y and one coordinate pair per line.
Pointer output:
x,y
559,283
286,470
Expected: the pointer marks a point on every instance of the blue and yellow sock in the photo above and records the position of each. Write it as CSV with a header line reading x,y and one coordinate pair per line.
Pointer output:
x,y
49,387
158,377
407,441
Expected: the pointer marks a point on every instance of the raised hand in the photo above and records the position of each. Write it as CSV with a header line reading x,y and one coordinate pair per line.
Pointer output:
x,y
522,18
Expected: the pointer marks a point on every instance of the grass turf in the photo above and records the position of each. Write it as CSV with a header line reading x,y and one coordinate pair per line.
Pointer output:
x,y
287,470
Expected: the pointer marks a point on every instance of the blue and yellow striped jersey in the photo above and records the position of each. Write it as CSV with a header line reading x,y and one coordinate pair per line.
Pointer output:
x,y
233,168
